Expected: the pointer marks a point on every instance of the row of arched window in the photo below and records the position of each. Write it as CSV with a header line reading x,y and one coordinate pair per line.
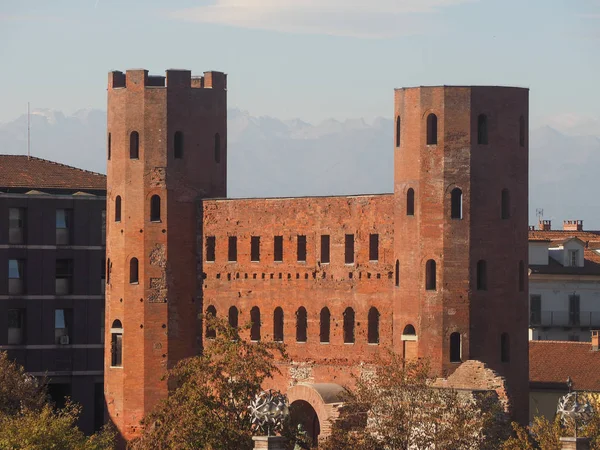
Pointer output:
x,y
178,146
154,208
482,130
301,323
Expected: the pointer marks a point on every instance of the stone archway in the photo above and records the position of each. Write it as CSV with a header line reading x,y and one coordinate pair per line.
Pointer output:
x,y
302,413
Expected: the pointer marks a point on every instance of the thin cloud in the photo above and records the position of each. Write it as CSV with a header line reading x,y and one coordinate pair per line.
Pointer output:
x,y
377,18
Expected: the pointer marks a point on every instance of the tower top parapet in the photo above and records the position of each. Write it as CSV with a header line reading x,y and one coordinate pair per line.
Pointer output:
x,y
175,78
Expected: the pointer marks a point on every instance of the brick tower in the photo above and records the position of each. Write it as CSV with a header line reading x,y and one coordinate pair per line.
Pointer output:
x,y
461,180
167,141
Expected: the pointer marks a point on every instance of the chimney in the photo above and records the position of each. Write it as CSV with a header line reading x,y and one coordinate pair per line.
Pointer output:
x,y
544,225
531,227
573,225
595,340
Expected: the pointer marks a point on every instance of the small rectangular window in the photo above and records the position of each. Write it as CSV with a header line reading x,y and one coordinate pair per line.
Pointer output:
x,y
325,249
116,350
210,248
301,248
535,310
16,225
278,248
255,248
373,247
232,250
16,276
63,325
349,249
64,276
16,326
64,225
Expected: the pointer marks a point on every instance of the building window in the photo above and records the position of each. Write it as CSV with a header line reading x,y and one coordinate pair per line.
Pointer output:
x,y
482,129
410,202
574,258
455,348
210,248
409,330
430,275
109,146
301,324
16,326
278,249
103,227
16,276
481,275
118,208
504,347
456,204
178,145
211,313
325,325
116,344
134,145
134,271
232,249
574,310
522,131
397,282
373,331
373,247
432,131
535,310
255,248
398,130
255,327
505,204
155,208
64,225
63,323
301,248
349,326
278,325
325,249
521,276
233,317
217,148
64,276
108,270
103,277
16,225
349,249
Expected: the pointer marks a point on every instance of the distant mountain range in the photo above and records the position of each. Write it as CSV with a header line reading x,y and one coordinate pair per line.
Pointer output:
x,y
269,157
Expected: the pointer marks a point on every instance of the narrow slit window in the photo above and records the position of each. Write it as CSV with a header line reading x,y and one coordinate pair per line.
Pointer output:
x,y
178,145
211,313
109,146
278,248
373,247
456,210
482,129
325,249
118,208
430,275
134,145
133,271
278,325
397,273
398,130
232,249
373,326
410,202
301,248
301,324
217,148
325,325
210,248
432,130
481,275
349,249
255,248
505,204
155,208
349,326
233,317
455,347
255,327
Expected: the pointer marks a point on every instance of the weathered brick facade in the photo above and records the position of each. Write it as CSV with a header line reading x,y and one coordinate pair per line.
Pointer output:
x,y
357,263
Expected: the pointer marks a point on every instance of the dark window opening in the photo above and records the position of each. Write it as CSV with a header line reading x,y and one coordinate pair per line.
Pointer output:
x,y
64,277
16,327
178,145
64,226
211,313
301,248
482,129
116,344
456,211
349,249
63,326
430,275
409,330
505,204
255,327
397,281
301,324
133,270
410,202
16,225
232,249
255,248
16,276
217,148
522,131
455,347
325,325
432,138
325,249
373,331
481,275
373,247
109,146
233,317
134,145
574,310
349,326
398,130
521,276
535,310
504,347
278,248
108,270
278,325
210,248
155,208
118,208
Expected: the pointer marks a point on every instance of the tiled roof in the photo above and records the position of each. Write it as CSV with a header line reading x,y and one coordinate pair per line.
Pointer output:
x,y
562,235
19,171
551,362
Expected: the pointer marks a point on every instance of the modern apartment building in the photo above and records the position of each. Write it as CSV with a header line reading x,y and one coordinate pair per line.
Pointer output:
x,y
52,250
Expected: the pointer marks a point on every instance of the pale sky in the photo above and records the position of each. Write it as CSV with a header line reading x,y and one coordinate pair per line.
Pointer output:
x,y
312,59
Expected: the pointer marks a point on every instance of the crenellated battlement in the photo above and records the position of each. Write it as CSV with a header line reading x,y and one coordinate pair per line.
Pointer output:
x,y
174,78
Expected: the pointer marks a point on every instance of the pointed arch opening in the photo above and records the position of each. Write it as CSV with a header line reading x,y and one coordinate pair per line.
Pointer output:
x,y
133,271
211,313
432,129
178,145
134,145
155,208
430,275
325,325
455,348
255,327
482,129
373,326
301,324
278,324
349,326
456,199
233,317
410,202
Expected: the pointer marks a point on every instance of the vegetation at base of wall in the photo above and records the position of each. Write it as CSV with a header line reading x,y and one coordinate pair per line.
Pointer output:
x,y
29,421
208,406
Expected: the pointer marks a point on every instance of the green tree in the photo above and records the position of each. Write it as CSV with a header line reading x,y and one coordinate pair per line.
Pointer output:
x,y
17,389
208,407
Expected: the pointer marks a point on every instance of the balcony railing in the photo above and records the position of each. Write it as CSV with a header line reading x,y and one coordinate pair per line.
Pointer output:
x,y
585,319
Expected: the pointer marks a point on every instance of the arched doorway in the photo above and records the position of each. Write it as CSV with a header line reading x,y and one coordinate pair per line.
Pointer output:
x,y
301,412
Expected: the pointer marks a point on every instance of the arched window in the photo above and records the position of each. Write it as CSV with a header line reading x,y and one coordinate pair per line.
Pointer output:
x,y
118,208
522,131
155,208
410,202
504,347
325,322
430,275
116,344
233,317
482,129
217,148
178,145
505,204
397,273
456,204
481,275
349,326
211,313
521,276
301,324
133,270
398,131
109,146
278,325
409,330
134,145
373,331
455,347
255,319
432,131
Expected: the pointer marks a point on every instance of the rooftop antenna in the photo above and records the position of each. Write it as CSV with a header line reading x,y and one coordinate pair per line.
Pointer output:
x,y
539,212
28,133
